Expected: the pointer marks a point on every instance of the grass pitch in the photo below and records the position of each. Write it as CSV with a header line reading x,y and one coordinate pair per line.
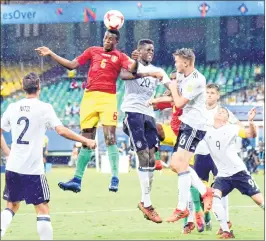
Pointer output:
x,y
96,213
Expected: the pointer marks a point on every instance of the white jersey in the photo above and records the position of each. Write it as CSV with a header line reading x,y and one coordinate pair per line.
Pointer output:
x,y
139,91
193,87
221,143
202,148
28,120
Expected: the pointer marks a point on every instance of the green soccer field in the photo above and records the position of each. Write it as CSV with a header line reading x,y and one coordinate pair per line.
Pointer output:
x,y
96,213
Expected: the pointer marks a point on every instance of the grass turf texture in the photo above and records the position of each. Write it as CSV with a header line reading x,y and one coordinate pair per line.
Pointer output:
x,y
96,213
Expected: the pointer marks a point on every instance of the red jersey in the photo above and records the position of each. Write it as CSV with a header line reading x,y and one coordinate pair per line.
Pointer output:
x,y
175,122
104,68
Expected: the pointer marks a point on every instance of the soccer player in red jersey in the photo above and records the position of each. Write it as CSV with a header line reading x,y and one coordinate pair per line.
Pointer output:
x,y
99,100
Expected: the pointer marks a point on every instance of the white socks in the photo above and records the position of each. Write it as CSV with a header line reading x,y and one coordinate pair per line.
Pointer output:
x,y
225,206
6,218
44,227
219,212
184,183
196,182
145,183
191,209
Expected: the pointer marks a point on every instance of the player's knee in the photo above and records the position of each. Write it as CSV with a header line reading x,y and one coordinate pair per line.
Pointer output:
x,y
151,158
13,206
258,198
177,164
42,208
144,158
110,139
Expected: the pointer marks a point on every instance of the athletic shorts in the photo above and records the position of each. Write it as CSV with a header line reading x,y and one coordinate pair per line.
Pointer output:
x,y
33,189
98,106
188,138
242,181
141,130
203,165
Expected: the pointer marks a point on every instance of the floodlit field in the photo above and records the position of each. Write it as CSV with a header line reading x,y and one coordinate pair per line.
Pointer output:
x,y
95,213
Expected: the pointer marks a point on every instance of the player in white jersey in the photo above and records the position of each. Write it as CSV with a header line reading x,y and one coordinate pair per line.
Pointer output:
x,y
203,163
27,119
188,93
139,122
232,172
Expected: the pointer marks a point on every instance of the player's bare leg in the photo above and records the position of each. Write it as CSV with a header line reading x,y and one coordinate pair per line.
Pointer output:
x,y
7,215
187,177
44,226
259,200
84,157
146,172
113,154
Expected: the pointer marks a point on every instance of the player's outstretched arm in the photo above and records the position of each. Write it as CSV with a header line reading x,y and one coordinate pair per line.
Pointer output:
x,y
4,146
251,131
44,51
69,134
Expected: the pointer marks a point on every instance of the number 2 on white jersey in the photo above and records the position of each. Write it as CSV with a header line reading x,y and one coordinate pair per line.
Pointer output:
x,y
27,123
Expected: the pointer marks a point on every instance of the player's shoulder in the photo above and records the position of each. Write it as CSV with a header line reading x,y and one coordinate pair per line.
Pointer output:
x,y
197,75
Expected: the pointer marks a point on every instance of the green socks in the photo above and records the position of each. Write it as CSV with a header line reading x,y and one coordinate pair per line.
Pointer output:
x,y
157,156
114,159
195,198
185,221
83,159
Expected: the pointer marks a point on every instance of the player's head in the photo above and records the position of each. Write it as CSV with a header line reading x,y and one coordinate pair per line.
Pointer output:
x,y
146,50
31,83
184,59
222,115
213,93
110,39
173,75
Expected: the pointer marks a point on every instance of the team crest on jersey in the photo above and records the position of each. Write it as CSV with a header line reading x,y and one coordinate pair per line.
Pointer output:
x,y
139,144
114,58
190,88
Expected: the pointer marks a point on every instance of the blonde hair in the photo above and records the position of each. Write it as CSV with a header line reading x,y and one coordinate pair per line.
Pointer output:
x,y
185,53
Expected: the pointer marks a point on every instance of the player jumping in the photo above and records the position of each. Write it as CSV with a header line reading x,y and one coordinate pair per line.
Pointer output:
x,y
168,134
25,180
99,101
189,95
232,172
139,122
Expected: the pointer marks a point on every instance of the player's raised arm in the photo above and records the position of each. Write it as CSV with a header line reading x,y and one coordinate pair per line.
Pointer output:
x,y
180,101
251,131
4,146
69,64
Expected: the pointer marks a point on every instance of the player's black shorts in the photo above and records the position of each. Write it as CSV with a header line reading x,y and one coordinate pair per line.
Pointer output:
x,y
241,181
203,165
188,138
33,189
141,130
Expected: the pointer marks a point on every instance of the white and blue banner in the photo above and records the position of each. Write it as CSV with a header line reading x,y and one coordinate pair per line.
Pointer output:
x,y
132,10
